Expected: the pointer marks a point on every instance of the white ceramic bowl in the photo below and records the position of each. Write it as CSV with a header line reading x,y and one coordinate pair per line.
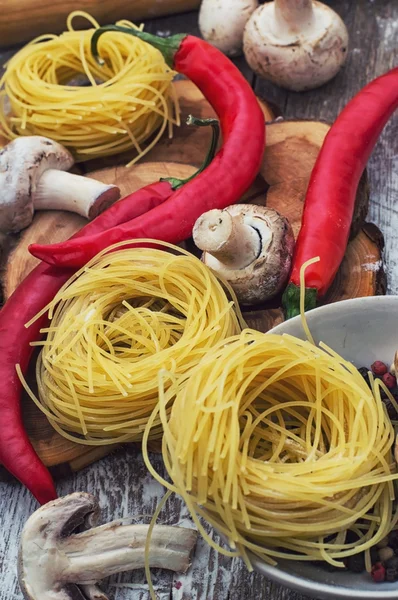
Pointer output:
x,y
362,331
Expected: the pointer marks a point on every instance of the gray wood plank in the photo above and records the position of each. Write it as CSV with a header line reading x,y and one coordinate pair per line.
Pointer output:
x,y
124,488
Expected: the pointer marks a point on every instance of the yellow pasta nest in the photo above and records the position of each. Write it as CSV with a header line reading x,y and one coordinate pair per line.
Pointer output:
x,y
123,318
119,106
282,446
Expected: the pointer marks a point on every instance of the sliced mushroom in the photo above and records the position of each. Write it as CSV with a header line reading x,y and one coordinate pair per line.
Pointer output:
x,y
57,564
297,44
250,246
221,23
32,177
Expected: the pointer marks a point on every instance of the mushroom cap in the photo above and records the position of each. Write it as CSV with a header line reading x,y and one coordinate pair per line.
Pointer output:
x,y
296,59
266,276
22,162
221,23
39,562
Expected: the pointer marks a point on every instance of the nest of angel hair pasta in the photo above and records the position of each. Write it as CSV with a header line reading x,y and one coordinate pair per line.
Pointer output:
x,y
54,87
282,446
125,317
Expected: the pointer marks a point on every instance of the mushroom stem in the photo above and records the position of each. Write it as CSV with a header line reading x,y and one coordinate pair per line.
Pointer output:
x,y
296,14
113,548
53,561
65,191
93,592
228,238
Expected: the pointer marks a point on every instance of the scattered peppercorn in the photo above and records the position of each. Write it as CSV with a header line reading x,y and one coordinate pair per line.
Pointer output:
x,y
378,573
379,368
393,540
384,557
389,380
374,555
385,554
392,563
391,411
356,563
383,542
394,391
391,575
391,567
364,371
380,371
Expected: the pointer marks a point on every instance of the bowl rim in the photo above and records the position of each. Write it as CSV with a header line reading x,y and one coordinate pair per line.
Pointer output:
x,y
331,308
301,583
327,590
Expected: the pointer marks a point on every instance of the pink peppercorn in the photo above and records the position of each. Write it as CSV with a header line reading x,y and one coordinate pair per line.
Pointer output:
x,y
379,368
378,573
389,380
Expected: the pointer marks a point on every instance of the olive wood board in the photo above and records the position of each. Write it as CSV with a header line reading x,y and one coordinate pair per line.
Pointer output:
x,y
291,150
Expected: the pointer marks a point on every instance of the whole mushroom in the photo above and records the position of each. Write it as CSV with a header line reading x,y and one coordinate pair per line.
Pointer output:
x,y
221,23
32,178
297,44
57,564
250,246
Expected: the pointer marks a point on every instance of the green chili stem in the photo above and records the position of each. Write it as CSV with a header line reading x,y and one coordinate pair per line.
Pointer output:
x,y
214,124
291,300
167,46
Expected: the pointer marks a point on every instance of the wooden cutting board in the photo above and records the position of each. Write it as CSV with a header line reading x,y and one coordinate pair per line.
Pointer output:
x,y
291,150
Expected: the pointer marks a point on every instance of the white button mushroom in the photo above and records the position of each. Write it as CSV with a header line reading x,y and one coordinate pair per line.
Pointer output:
x,y
57,564
297,44
32,178
221,23
250,246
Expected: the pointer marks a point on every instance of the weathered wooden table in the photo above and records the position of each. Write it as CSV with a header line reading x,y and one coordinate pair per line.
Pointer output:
x,y
120,481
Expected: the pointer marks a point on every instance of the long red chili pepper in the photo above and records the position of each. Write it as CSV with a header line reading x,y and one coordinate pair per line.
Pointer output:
x,y
330,198
229,175
32,295
148,197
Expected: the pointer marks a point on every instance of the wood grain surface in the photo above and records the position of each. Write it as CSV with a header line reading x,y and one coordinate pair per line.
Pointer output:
x,y
120,480
21,20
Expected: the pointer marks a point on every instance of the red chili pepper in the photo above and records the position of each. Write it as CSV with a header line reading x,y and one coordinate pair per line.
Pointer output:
x,y
330,199
378,573
32,295
16,452
38,289
130,207
148,197
229,175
